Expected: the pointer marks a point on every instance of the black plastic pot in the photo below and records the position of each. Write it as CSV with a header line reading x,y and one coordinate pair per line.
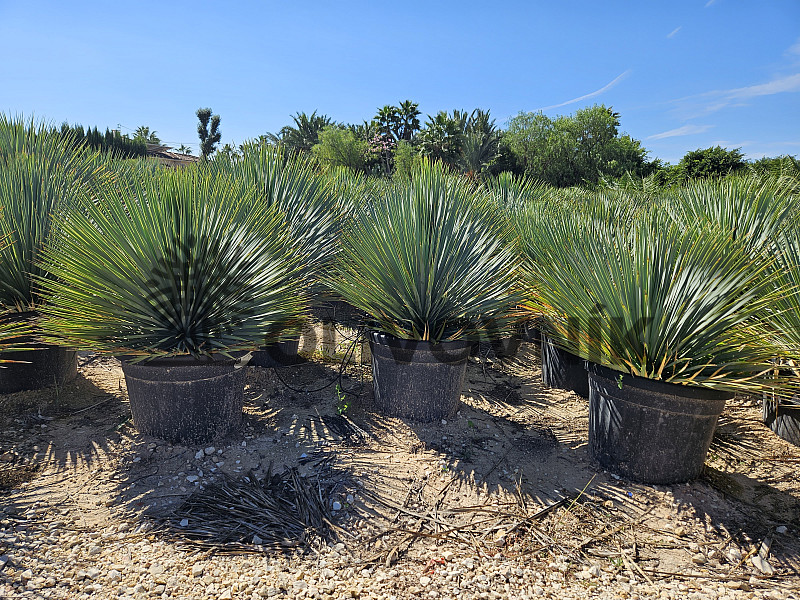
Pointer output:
x,y
417,380
563,370
650,431
43,367
507,346
783,417
504,347
531,333
279,354
338,311
185,400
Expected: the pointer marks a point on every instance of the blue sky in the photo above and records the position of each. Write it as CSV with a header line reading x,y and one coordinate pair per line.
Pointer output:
x,y
684,74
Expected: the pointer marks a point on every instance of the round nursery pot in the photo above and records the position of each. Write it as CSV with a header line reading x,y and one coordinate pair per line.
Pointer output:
x,y
279,354
185,400
43,367
563,370
650,431
417,380
783,416
507,346
503,347
338,311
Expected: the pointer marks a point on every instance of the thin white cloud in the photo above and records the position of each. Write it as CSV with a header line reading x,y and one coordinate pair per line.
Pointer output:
x,y
692,107
790,83
602,90
674,32
685,130
794,49
710,2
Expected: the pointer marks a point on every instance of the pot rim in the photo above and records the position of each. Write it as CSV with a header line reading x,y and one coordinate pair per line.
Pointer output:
x,y
391,341
691,392
185,360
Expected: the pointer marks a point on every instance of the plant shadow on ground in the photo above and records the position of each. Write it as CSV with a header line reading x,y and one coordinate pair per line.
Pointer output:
x,y
57,430
512,450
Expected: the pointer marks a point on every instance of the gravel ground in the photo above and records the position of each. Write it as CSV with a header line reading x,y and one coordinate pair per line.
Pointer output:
x,y
499,502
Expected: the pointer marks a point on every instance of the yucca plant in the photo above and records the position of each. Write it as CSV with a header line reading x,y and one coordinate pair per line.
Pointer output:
x,y
290,183
426,260
660,301
670,318
751,209
522,203
171,263
782,403
40,175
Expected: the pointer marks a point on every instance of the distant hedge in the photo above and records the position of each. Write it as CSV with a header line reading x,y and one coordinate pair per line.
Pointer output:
x,y
121,145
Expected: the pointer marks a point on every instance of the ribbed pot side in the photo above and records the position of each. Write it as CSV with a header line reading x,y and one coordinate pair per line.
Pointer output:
x,y
417,380
185,401
650,431
563,370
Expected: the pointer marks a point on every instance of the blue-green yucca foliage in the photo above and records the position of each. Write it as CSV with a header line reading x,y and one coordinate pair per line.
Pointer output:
x,y
41,174
677,300
426,260
312,213
171,263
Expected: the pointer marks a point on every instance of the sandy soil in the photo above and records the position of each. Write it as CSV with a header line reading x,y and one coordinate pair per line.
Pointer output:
x,y
506,478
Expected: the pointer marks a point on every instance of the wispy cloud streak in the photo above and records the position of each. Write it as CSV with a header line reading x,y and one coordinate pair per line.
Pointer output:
x,y
685,130
692,107
602,90
674,32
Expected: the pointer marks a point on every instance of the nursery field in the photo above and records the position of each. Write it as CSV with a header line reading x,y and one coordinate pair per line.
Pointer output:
x,y
321,499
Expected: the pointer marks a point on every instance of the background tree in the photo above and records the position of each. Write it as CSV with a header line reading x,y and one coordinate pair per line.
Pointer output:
x,y
575,149
479,145
209,136
304,134
143,133
442,136
711,162
406,160
399,122
184,149
339,146
122,145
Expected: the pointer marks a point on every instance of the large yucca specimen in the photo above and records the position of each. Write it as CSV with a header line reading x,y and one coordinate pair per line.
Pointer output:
x,y
171,263
784,313
750,209
312,213
677,303
41,174
427,261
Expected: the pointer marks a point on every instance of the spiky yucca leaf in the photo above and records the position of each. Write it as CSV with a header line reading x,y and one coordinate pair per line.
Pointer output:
x,y
513,192
40,174
291,184
171,263
750,209
784,314
426,260
661,301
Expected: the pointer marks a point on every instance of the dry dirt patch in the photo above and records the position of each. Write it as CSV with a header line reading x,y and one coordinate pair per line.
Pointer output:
x,y
500,499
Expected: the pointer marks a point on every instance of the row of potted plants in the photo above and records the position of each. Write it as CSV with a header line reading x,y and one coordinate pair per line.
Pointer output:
x,y
675,302
673,306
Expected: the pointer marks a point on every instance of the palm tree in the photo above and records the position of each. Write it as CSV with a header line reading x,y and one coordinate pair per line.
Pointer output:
x,y
443,135
184,149
143,133
408,120
480,143
304,135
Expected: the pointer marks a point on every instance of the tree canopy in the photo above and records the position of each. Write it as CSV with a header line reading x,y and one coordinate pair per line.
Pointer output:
x,y
574,149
